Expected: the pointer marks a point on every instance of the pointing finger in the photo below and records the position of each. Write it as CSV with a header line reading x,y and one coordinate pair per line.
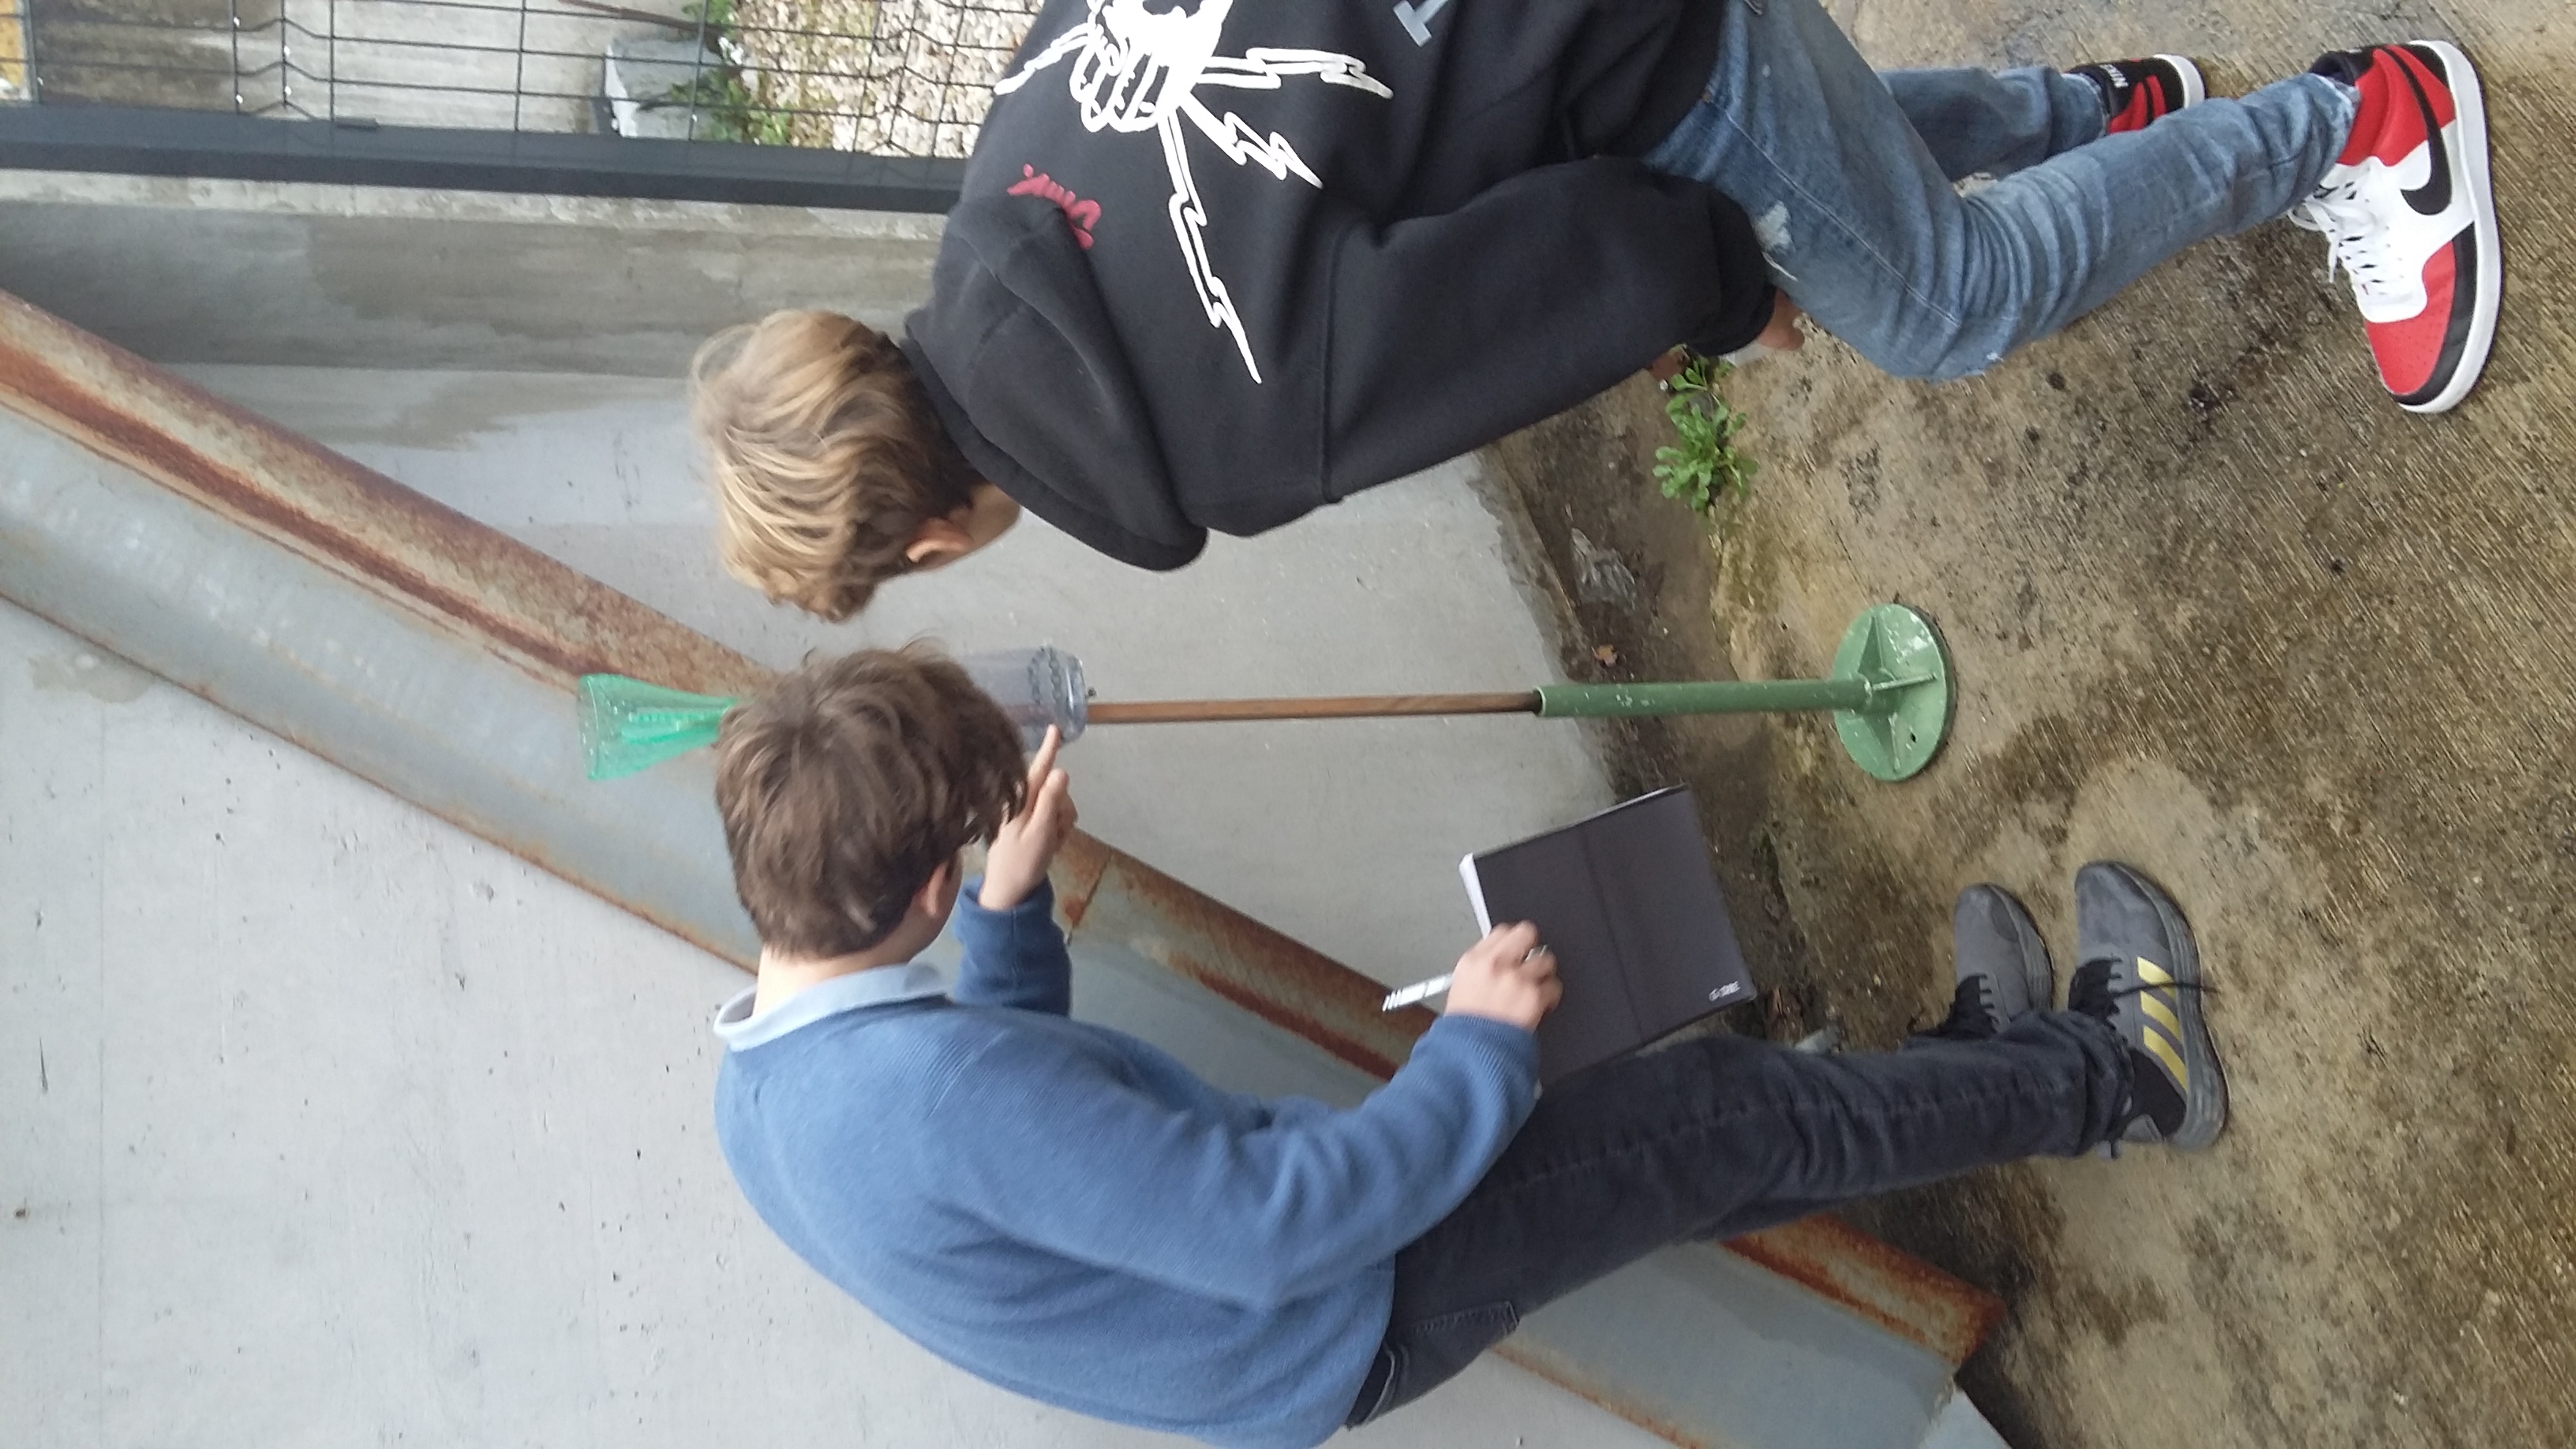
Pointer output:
x,y
1044,765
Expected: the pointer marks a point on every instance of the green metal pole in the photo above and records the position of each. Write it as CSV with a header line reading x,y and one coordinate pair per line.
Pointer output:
x,y
1890,694
1733,696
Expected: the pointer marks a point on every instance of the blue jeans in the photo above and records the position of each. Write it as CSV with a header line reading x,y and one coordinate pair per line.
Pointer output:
x,y
1847,175
1716,1137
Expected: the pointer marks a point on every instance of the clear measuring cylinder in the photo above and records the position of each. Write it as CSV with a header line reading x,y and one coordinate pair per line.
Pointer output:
x,y
1036,688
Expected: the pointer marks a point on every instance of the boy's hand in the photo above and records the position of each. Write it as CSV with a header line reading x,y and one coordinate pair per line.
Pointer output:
x,y
1508,976
1027,842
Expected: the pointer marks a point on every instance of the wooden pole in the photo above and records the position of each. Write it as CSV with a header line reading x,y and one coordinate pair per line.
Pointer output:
x,y
1364,706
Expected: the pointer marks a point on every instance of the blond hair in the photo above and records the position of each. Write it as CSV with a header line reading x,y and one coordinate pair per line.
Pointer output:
x,y
826,457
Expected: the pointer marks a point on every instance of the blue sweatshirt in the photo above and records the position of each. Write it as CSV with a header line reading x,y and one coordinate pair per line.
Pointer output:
x,y
1067,1212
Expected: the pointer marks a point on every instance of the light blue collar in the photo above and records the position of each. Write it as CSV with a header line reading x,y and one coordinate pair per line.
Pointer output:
x,y
878,986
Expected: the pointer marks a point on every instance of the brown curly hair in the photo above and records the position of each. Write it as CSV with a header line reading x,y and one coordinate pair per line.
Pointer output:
x,y
844,785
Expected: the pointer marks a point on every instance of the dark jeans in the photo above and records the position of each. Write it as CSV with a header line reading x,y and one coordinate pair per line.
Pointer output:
x,y
1717,1137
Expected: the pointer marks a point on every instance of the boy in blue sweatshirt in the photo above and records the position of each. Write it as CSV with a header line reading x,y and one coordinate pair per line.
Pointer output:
x,y
1068,1212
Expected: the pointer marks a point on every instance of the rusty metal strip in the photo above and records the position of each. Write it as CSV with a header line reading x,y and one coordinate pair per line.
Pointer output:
x,y
1548,1367
1076,876
357,523
479,584
1895,1290
1290,985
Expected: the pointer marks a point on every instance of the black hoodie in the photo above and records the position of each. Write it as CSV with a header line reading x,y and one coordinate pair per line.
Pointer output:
x,y
1219,264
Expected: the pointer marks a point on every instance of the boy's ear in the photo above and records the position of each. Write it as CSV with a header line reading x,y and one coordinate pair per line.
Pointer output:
x,y
938,895
938,541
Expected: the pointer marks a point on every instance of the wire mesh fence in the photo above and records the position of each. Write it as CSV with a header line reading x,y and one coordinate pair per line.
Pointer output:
x,y
16,86
882,77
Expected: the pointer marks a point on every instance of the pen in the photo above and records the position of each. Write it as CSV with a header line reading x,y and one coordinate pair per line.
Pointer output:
x,y
1418,991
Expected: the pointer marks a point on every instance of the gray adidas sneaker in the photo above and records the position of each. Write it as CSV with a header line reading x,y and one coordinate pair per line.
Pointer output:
x,y
2000,962
2136,968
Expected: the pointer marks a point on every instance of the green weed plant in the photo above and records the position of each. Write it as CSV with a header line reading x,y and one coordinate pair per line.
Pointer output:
x,y
719,93
1705,465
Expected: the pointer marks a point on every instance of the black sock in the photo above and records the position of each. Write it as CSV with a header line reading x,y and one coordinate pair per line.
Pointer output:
x,y
2152,1094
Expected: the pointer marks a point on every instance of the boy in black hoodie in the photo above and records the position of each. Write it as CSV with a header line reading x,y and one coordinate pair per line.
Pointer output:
x,y
1219,264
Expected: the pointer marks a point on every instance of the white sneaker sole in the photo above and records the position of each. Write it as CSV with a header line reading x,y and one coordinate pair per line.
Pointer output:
x,y
2194,89
2468,103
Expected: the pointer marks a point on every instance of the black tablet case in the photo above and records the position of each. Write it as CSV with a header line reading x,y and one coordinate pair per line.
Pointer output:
x,y
1628,903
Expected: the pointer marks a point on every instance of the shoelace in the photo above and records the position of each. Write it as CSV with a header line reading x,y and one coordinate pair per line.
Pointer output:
x,y
2092,993
1972,1012
2356,239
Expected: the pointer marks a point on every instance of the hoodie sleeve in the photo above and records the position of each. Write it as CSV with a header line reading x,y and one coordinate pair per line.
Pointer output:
x,y
1449,331
1014,958
1091,1168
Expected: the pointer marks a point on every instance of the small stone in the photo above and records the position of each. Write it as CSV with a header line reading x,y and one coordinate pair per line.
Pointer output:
x,y
1601,576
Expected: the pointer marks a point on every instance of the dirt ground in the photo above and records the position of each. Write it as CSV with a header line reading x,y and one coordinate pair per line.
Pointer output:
x,y
2218,608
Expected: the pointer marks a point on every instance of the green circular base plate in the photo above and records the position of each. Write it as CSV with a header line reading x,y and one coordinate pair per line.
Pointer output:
x,y
1897,650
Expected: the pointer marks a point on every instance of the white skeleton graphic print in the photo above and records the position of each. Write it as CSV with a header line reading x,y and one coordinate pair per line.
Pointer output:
x,y
1136,69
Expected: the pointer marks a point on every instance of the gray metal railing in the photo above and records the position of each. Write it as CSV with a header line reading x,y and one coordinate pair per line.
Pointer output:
x,y
495,92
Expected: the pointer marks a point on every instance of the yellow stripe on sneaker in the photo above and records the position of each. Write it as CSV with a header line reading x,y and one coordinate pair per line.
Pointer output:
x,y
2168,1051
2153,1002
2153,974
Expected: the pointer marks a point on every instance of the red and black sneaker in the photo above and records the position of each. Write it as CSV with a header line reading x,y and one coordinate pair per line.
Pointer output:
x,y
2409,214
2135,92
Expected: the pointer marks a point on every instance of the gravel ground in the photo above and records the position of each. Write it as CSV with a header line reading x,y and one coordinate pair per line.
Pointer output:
x,y
903,77
2218,608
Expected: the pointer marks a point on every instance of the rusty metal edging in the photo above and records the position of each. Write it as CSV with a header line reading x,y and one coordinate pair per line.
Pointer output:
x,y
464,577
478,587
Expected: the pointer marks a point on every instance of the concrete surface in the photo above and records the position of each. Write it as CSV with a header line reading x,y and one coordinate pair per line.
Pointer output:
x,y
324,1123
1708,1340
352,276
430,337
2221,609
1408,588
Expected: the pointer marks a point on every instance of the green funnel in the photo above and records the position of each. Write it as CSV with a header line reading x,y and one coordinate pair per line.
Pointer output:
x,y
628,725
